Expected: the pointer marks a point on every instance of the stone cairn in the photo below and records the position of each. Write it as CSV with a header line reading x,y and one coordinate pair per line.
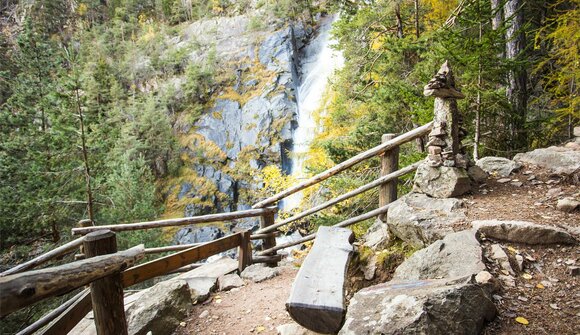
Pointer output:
x,y
444,174
444,144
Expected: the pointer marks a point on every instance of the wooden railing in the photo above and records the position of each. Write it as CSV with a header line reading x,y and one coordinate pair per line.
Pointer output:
x,y
107,284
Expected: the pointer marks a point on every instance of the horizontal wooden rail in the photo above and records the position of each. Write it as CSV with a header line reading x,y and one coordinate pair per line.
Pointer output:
x,y
68,319
178,222
262,236
59,251
20,290
47,318
343,224
397,141
364,188
170,248
163,265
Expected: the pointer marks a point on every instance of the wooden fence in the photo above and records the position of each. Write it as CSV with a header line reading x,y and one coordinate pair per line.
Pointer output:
x,y
109,271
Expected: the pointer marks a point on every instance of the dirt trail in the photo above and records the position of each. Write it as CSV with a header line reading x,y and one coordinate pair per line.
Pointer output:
x,y
257,308
551,308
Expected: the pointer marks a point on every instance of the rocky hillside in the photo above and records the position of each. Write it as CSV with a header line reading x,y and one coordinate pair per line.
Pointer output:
x,y
248,121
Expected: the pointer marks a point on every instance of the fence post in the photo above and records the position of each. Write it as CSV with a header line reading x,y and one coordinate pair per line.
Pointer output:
x,y
106,293
389,164
269,241
81,224
245,250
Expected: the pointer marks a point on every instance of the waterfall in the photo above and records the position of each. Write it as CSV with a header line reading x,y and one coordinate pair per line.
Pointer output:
x,y
317,65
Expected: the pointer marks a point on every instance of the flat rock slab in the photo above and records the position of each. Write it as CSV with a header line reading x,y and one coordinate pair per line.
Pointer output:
x,y
421,220
229,282
456,255
523,232
498,166
419,307
258,273
215,269
558,160
441,182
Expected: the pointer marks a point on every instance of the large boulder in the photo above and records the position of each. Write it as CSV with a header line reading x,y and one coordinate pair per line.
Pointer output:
x,y
522,232
161,309
442,181
421,220
419,307
498,166
456,255
558,160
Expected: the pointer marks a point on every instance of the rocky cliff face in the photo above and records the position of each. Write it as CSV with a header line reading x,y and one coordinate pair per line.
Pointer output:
x,y
247,124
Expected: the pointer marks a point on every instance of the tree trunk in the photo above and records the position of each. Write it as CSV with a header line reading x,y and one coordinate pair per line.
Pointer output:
x,y
90,208
496,14
517,77
399,21
417,32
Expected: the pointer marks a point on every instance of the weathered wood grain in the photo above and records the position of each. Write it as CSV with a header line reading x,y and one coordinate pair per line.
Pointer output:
x,y
66,321
59,251
334,201
178,222
20,290
397,141
163,265
317,297
389,164
106,293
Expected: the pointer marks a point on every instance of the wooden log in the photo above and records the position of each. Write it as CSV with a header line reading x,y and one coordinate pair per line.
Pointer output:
x,y
66,321
342,224
340,198
149,251
106,293
317,299
59,251
164,265
178,222
263,236
186,268
269,241
22,289
397,141
389,164
47,318
244,251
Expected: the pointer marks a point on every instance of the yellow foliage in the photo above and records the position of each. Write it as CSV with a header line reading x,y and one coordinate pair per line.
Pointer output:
x,y
274,180
82,9
440,11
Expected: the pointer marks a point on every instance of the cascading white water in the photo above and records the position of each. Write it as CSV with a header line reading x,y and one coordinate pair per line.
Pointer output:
x,y
318,63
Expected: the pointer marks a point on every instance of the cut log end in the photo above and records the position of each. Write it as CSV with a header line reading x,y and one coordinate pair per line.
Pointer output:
x,y
319,319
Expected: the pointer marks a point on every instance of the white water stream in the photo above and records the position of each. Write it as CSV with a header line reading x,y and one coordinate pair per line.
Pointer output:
x,y
318,64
